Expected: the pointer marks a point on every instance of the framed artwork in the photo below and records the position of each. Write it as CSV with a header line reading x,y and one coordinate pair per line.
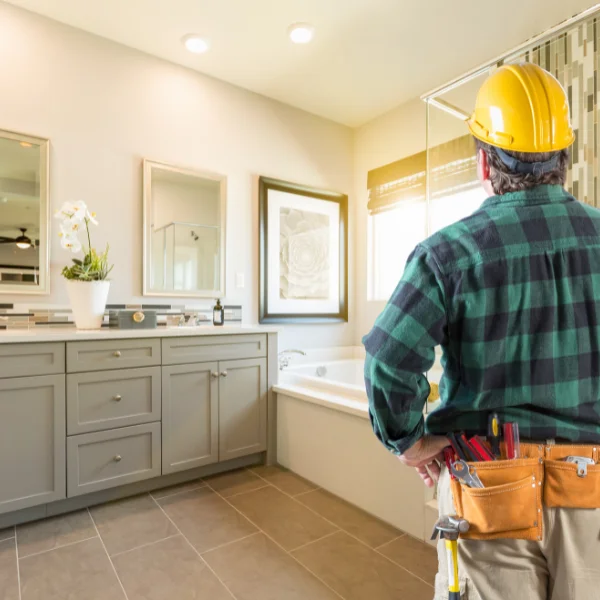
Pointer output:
x,y
303,254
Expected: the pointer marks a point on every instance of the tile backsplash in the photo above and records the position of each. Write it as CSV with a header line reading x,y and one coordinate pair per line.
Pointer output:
x,y
27,316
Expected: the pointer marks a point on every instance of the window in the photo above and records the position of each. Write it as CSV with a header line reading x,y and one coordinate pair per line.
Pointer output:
x,y
399,217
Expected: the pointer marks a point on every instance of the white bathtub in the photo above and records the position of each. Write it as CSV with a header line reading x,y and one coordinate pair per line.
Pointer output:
x,y
324,434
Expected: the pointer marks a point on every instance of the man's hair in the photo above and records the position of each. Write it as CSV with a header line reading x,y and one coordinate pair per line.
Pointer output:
x,y
504,180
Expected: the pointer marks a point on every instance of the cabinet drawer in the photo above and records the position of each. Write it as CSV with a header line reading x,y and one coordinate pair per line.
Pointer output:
x,y
112,354
183,350
17,360
106,459
97,401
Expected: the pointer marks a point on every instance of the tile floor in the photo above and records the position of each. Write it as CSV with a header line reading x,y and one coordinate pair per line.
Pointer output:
x,y
254,534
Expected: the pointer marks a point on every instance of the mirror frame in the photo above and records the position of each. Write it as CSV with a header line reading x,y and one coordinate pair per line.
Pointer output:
x,y
43,288
148,166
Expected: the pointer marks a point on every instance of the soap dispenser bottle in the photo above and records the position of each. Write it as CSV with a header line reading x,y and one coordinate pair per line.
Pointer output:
x,y
218,314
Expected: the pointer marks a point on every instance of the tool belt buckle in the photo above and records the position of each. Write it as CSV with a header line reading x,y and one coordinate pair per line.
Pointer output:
x,y
582,463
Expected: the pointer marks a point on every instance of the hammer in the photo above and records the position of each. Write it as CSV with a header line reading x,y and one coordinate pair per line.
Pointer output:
x,y
449,528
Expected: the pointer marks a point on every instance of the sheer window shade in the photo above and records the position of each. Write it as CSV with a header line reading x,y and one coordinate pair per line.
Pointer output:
x,y
453,168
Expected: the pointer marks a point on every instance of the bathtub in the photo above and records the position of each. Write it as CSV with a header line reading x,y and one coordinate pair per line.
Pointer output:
x,y
324,434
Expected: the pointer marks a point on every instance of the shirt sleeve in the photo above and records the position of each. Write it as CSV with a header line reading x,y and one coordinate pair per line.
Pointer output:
x,y
401,349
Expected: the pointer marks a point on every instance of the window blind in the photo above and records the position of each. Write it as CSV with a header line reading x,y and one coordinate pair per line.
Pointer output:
x,y
453,167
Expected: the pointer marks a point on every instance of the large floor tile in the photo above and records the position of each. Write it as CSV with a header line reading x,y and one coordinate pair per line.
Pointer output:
x,y
205,519
168,570
132,522
235,482
78,572
358,573
256,569
416,556
51,533
9,583
370,530
6,534
285,480
188,486
287,522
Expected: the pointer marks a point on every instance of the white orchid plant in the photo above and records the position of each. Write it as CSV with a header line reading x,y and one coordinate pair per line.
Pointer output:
x,y
75,217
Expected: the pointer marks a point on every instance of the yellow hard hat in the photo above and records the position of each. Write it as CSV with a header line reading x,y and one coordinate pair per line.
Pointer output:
x,y
522,108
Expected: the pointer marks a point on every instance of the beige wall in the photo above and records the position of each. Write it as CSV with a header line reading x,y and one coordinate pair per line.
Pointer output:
x,y
105,107
388,138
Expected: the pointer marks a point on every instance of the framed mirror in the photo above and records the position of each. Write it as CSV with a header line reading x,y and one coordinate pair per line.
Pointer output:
x,y
184,232
24,248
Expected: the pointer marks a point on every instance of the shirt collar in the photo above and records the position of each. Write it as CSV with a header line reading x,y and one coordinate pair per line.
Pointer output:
x,y
542,194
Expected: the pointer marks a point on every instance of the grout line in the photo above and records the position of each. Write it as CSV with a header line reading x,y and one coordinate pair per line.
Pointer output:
x,y
18,568
280,489
145,545
262,487
358,539
199,487
229,543
26,556
303,493
194,549
317,540
108,555
391,541
278,544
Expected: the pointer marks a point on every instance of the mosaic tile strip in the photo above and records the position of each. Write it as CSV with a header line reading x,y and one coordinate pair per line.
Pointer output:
x,y
574,59
22,316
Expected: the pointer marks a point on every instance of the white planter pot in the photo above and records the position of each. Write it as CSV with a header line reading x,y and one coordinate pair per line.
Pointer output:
x,y
88,302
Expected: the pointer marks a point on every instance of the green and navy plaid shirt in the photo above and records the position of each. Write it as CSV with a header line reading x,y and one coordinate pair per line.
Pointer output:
x,y
512,294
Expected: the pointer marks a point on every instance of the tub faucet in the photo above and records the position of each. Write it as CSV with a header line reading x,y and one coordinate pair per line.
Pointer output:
x,y
284,358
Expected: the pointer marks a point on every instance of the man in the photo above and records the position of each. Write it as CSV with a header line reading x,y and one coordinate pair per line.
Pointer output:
x,y
512,294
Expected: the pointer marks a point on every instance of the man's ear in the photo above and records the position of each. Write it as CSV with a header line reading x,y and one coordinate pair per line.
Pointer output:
x,y
483,166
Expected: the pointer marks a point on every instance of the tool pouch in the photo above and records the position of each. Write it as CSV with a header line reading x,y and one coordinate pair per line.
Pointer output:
x,y
510,504
565,486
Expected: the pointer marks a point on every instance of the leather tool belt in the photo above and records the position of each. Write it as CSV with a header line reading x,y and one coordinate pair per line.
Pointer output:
x,y
515,491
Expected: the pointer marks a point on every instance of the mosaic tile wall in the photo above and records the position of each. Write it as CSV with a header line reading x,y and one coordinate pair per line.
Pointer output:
x,y
574,58
22,316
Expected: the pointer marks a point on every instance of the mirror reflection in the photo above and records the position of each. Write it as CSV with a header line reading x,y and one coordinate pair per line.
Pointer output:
x,y
23,216
184,234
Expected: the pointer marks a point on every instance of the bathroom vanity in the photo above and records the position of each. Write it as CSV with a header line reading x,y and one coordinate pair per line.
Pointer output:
x,y
87,417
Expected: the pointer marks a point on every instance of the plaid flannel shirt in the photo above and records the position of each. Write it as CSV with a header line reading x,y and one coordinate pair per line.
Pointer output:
x,y
512,294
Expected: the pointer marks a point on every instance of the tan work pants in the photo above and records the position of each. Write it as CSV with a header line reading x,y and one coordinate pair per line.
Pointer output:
x,y
565,565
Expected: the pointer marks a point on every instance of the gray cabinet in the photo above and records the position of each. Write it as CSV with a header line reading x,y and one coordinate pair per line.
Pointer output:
x,y
32,441
19,360
190,413
108,399
180,350
112,354
242,407
105,459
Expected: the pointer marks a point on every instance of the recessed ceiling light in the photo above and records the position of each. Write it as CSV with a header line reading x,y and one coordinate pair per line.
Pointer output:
x,y
301,33
196,44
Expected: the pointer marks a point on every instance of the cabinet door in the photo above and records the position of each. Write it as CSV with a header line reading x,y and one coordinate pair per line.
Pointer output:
x,y
32,441
242,407
190,417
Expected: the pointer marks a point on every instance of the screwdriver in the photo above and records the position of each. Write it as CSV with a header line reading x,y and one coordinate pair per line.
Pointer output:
x,y
494,433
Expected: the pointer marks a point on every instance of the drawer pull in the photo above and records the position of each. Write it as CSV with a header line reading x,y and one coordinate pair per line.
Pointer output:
x,y
223,373
118,458
117,354
214,374
118,398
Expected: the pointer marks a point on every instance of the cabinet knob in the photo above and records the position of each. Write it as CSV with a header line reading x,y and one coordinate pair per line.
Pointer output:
x,y
214,374
223,373
118,398
117,353
118,458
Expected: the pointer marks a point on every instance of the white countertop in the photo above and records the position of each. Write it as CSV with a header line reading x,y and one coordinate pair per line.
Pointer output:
x,y
70,334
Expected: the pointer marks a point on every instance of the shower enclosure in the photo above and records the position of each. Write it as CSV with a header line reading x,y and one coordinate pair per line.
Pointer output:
x,y
186,257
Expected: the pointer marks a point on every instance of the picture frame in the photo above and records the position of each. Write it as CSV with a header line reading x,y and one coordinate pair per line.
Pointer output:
x,y
303,253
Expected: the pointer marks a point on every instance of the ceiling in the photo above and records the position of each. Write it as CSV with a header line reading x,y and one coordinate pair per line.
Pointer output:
x,y
368,56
